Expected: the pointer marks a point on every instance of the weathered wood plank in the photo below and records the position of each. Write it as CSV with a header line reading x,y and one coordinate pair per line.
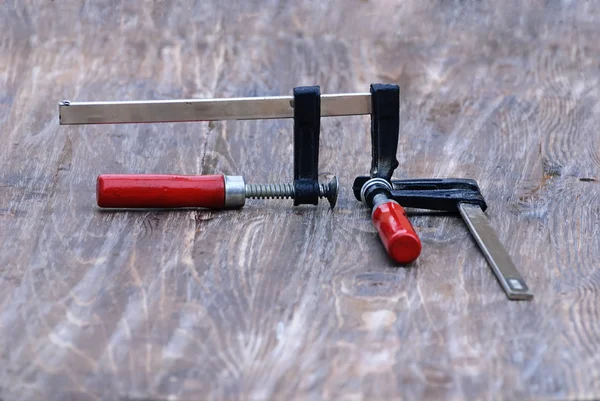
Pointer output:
x,y
276,302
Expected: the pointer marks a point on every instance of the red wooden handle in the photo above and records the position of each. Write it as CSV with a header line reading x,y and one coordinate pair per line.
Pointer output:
x,y
160,191
397,234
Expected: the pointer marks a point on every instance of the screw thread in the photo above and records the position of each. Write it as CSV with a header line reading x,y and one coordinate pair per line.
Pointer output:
x,y
323,190
278,191
269,191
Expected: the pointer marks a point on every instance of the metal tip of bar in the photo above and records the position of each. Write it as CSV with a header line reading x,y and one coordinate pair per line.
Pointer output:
x,y
502,265
249,108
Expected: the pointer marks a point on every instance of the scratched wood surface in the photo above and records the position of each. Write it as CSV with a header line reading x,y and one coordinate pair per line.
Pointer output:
x,y
276,302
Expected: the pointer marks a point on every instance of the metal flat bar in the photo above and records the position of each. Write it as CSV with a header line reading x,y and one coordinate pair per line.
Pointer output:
x,y
244,108
509,277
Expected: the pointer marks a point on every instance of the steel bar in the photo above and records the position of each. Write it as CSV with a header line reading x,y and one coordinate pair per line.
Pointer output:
x,y
248,108
509,277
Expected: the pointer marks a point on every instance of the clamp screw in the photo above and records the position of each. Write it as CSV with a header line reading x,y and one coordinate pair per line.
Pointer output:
x,y
286,191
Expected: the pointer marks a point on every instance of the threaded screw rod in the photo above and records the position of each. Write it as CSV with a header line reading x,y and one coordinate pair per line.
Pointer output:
x,y
286,191
270,191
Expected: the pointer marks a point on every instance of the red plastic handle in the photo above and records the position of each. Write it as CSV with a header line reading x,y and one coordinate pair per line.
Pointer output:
x,y
397,234
160,191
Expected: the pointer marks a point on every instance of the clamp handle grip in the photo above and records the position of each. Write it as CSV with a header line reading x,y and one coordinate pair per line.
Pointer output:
x,y
160,191
396,232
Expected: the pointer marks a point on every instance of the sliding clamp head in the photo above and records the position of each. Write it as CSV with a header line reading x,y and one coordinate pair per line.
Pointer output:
x,y
307,126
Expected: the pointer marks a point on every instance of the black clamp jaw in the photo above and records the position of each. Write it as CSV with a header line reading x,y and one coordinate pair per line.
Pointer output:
x,y
385,126
307,126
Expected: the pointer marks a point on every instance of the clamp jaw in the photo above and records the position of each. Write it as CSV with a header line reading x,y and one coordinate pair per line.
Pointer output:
x,y
307,125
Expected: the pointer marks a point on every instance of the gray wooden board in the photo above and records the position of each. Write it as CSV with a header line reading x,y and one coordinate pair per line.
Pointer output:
x,y
277,302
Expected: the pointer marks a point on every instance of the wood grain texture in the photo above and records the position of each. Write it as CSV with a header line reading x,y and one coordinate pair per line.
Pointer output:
x,y
276,302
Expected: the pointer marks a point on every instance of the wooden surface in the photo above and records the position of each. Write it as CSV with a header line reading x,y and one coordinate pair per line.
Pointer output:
x,y
277,302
